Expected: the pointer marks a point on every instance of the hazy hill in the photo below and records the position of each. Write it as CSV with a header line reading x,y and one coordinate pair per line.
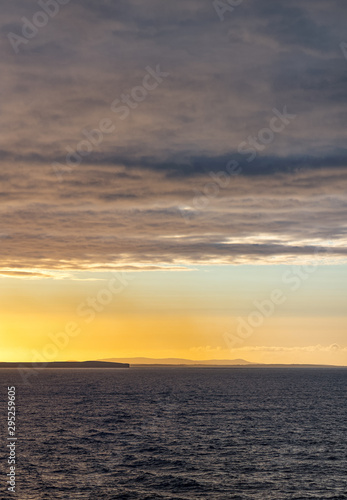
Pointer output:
x,y
179,361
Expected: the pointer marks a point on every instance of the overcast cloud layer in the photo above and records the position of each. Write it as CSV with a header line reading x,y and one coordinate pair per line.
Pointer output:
x,y
175,179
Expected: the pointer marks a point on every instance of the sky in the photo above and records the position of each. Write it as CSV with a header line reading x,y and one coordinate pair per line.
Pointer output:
x,y
173,179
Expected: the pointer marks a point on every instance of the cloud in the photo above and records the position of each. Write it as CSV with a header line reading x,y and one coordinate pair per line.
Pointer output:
x,y
25,274
101,217
142,197
311,348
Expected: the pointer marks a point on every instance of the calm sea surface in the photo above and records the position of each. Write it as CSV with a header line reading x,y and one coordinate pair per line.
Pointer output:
x,y
179,433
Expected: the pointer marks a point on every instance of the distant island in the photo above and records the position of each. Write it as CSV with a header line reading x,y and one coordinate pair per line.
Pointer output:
x,y
208,363
179,362
66,364
153,362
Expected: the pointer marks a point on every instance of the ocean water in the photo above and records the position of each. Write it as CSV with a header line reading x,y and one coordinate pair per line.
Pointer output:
x,y
178,433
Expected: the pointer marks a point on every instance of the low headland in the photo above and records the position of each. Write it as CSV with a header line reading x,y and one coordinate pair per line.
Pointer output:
x,y
66,364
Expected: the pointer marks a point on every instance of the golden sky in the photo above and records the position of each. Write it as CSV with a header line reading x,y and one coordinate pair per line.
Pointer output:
x,y
203,161
255,313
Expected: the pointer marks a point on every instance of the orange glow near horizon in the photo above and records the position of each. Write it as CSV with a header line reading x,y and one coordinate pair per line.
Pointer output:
x,y
46,338
192,315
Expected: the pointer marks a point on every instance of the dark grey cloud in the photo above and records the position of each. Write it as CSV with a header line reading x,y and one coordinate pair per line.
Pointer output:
x,y
143,194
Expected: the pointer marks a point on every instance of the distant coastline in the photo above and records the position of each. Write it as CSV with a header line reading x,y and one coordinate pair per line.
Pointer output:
x,y
157,363
66,364
141,362
242,367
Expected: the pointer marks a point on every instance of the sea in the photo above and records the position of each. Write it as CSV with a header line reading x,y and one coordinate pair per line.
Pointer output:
x,y
177,433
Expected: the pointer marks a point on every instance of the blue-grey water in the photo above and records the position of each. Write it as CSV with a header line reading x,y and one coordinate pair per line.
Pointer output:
x,y
179,433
